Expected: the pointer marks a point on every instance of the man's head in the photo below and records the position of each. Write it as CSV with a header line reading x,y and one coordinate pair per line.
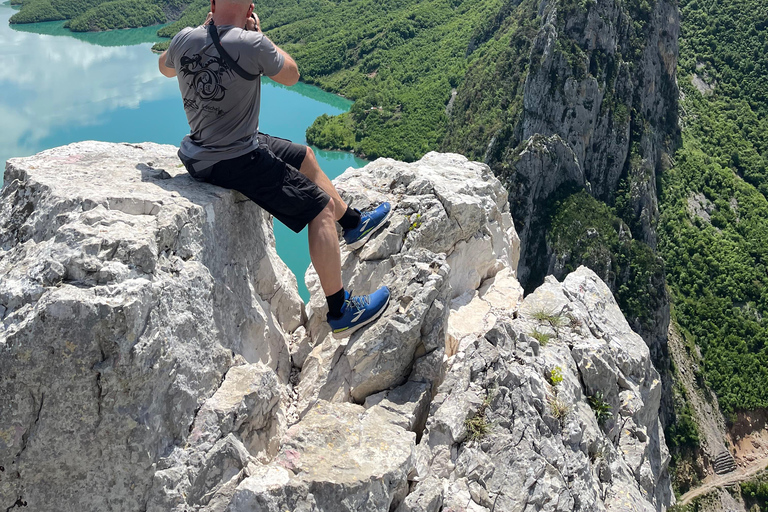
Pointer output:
x,y
232,10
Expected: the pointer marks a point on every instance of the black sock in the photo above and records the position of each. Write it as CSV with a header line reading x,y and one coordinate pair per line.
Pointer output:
x,y
335,302
350,219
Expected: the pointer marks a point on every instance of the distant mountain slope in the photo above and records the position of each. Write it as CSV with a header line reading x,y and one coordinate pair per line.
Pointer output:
x,y
90,15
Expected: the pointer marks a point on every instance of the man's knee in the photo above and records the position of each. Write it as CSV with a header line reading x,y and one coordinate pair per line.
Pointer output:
x,y
309,156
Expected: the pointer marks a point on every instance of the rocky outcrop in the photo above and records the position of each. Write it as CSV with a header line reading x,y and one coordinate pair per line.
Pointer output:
x,y
450,230
517,424
126,288
160,360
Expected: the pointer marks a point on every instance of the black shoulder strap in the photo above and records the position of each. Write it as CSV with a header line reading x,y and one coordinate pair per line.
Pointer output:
x,y
232,63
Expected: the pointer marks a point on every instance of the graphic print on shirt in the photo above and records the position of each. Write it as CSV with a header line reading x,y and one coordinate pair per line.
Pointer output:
x,y
205,76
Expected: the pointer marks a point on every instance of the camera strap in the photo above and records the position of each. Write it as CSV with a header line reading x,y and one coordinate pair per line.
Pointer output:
x,y
232,63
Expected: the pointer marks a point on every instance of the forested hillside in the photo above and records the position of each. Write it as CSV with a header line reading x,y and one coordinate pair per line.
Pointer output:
x,y
398,59
714,213
90,15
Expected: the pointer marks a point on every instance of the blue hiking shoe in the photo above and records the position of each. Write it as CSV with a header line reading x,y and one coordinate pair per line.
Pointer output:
x,y
359,311
370,222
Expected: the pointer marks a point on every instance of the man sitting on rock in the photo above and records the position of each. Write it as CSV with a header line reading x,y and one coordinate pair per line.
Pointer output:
x,y
219,67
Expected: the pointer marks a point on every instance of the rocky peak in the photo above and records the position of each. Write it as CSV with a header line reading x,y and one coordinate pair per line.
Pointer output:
x,y
158,357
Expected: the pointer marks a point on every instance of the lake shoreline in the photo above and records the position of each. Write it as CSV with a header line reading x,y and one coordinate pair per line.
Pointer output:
x,y
161,39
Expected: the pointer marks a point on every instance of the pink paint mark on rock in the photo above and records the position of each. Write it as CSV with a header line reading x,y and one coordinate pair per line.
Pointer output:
x,y
289,459
67,159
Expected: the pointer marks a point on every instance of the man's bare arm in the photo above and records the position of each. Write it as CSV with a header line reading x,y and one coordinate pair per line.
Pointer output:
x,y
289,74
165,70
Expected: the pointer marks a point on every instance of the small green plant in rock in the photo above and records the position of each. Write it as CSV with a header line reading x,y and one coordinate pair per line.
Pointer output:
x,y
416,223
478,425
556,376
560,409
600,407
555,320
542,337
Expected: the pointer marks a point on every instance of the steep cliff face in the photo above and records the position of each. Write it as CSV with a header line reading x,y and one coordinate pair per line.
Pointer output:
x,y
601,71
159,359
594,107
601,81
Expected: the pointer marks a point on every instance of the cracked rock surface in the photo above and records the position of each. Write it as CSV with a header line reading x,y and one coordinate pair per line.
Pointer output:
x,y
450,230
126,290
511,427
155,354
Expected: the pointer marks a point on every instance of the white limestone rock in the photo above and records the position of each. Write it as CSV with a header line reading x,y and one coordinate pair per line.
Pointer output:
x,y
337,459
149,330
543,447
428,497
449,232
451,206
406,406
126,289
237,427
381,356
248,403
476,312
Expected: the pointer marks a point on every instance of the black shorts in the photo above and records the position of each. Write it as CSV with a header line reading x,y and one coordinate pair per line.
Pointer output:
x,y
269,176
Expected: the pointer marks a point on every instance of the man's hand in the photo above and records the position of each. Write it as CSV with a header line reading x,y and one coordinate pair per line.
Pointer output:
x,y
208,18
253,23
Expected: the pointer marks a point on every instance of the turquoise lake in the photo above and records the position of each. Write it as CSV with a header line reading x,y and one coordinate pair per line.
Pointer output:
x,y
58,87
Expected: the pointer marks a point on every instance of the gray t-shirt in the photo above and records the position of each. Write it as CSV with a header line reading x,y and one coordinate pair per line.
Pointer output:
x,y
222,108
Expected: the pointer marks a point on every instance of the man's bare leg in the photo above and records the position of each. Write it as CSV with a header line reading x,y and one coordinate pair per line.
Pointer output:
x,y
311,169
345,314
324,249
